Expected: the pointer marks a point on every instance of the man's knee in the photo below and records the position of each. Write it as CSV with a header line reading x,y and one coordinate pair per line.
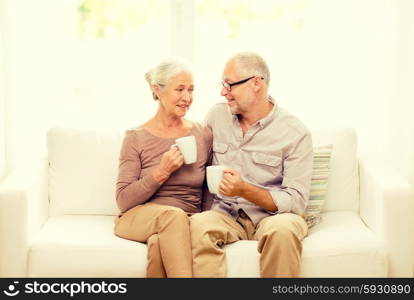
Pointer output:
x,y
281,231
281,234
279,239
285,225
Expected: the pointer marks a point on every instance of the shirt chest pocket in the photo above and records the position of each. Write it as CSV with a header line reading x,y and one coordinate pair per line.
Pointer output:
x,y
269,166
220,147
220,150
266,159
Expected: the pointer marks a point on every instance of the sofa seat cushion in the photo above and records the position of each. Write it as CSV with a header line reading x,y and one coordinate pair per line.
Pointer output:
x,y
340,246
84,246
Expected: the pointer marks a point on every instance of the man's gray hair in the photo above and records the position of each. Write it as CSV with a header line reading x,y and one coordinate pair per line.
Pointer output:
x,y
162,73
250,63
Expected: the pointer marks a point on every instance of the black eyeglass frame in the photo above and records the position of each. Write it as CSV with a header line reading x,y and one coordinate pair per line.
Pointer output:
x,y
228,86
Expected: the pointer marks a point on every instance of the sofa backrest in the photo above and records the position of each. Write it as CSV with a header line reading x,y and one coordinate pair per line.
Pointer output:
x,y
83,168
83,165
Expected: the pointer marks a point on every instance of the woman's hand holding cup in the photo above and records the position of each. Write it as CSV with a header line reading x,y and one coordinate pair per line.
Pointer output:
x,y
171,161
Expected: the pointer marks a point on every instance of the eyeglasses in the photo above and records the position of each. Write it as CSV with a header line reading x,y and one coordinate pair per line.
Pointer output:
x,y
228,86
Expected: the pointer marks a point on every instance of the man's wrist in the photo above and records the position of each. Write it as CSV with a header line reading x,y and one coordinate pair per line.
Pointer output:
x,y
244,188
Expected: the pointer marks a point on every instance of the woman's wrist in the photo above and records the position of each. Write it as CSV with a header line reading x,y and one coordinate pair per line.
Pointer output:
x,y
160,175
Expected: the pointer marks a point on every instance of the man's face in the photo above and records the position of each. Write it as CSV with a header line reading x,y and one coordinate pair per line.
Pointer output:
x,y
240,97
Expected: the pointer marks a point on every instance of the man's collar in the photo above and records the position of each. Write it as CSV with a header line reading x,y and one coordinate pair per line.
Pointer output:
x,y
267,119
271,115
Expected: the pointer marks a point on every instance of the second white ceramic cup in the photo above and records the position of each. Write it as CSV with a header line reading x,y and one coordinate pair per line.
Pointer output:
x,y
214,176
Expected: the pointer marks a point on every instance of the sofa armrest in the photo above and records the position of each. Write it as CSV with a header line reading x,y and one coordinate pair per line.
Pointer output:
x,y
387,207
23,210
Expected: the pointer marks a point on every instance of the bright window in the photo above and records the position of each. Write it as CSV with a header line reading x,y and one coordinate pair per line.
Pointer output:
x,y
105,47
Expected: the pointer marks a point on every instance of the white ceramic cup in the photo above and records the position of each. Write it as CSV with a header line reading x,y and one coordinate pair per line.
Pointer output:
x,y
188,148
214,175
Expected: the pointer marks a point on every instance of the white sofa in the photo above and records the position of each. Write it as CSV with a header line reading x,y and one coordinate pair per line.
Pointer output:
x,y
56,216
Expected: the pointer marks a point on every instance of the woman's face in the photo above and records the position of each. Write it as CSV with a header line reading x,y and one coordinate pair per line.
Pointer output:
x,y
177,96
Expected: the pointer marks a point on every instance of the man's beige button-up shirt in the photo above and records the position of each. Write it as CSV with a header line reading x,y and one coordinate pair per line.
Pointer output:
x,y
274,154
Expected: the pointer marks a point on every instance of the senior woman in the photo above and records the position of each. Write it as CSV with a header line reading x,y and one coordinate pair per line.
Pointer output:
x,y
156,191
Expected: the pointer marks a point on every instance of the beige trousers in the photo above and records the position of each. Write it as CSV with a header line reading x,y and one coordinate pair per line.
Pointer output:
x,y
279,242
166,230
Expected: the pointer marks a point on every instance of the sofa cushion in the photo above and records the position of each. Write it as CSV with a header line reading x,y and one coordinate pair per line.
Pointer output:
x,y
343,187
85,246
319,184
83,168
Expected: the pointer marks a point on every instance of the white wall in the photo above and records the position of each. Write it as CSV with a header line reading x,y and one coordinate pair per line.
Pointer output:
x,y
30,78
346,59
401,109
3,166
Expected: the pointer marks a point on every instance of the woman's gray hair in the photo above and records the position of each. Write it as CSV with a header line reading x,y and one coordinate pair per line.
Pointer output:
x,y
165,70
251,63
